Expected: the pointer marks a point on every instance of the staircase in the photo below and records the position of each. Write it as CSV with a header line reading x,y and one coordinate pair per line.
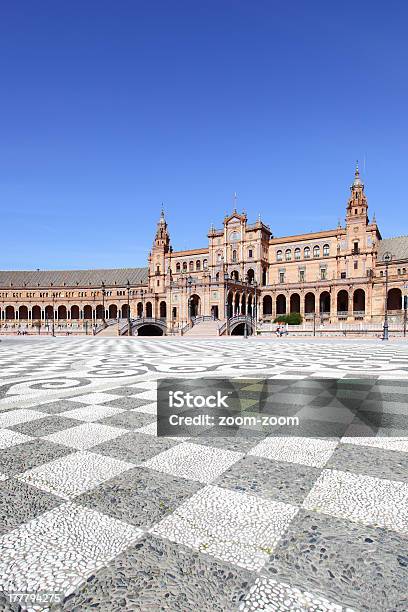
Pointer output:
x,y
203,329
112,327
111,330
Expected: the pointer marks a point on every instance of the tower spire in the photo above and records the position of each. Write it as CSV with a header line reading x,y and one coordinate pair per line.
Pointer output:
x,y
162,238
357,204
357,180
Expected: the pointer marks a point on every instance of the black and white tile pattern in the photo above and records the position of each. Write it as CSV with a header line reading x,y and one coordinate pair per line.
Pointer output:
x,y
94,506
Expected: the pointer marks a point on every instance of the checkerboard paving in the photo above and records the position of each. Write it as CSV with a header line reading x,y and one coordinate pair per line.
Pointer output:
x,y
95,507
235,527
52,552
10,438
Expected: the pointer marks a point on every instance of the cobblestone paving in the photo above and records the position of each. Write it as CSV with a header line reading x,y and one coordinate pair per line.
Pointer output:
x,y
98,509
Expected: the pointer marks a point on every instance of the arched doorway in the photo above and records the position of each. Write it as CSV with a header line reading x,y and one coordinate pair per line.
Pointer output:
x,y
125,311
295,302
195,305
163,310
230,308
394,300
49,313
359,300
243,304
113,311
235,275
36,313
236,304
99,312
325,302
87,312
281,304
149,310
250,305
23,313
74,312
10,313
250,275
62,312
310,303
139,309
342,301
267,305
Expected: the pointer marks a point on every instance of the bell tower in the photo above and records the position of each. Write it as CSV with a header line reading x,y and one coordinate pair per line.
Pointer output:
x,y
358,244
357,206
157,256
162,238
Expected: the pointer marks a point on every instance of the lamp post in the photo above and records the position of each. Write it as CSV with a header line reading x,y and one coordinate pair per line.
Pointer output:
x,y
103,302
169,313
53,314
226,278
387,257
246,285
255,314
405,310
189,283
128,308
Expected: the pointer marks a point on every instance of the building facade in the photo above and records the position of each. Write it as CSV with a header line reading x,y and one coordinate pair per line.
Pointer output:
x,y
345,274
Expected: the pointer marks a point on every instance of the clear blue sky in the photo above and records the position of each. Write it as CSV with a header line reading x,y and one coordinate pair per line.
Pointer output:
x,y
108,109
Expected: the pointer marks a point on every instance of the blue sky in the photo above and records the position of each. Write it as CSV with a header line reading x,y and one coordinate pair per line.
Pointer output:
x,y
108,109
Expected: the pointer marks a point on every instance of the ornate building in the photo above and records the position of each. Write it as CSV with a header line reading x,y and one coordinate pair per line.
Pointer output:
x,y
333,275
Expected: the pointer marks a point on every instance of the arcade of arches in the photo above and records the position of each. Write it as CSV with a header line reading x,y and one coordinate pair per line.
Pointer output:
x,y
342,304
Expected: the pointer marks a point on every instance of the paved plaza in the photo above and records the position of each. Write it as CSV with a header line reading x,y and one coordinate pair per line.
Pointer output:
x,y
100,512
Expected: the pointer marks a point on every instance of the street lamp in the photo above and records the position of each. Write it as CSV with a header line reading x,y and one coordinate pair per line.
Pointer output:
x,y
246,283
189,283
103,302
128,308
255,307
387,257
170,305
226,279
53,314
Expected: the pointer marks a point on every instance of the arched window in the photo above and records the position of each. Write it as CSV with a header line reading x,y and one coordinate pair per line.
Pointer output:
x,y
297,253
250,253
234,256
178,267
326,250
198,264
279,255
306,252
205,264
184,266
316,251
219,256
288,254
191,266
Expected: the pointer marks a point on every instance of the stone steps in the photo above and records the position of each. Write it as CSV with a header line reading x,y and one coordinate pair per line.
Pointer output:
x,y
204,330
